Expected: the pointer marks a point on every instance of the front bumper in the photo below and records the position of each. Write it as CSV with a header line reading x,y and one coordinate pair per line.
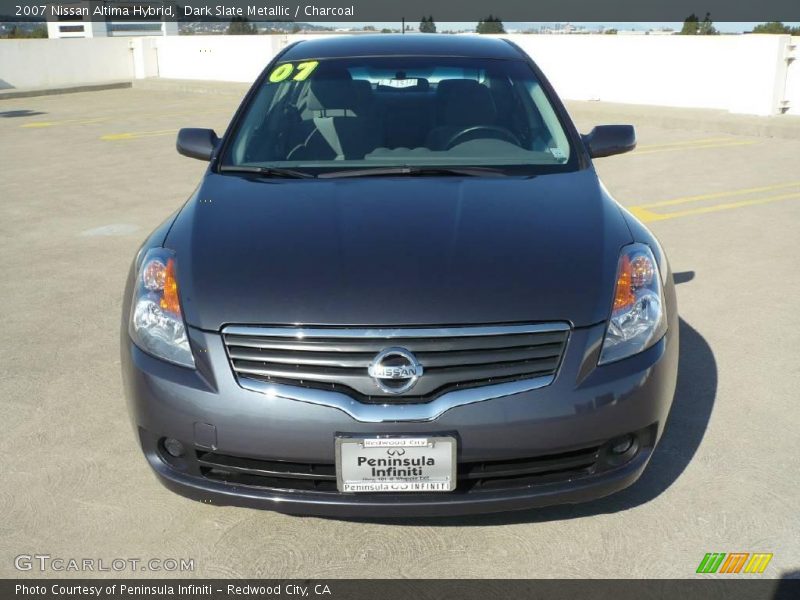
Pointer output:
x,y
586,406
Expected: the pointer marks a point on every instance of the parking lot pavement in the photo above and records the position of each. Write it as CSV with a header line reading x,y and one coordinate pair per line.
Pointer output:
x,y
86,176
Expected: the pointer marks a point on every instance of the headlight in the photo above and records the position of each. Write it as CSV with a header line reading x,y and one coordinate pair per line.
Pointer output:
x,y
638,318
156,324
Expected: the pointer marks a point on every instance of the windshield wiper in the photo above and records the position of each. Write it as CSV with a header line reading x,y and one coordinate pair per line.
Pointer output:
x,y
268,172
414,171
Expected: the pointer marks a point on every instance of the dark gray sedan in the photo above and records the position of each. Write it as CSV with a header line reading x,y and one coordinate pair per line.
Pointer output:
x,y
400,289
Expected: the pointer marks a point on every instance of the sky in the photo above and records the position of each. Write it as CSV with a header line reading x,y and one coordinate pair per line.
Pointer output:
x,y
469,26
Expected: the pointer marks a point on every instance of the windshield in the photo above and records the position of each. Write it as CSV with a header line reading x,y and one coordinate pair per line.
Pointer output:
x,y
400,112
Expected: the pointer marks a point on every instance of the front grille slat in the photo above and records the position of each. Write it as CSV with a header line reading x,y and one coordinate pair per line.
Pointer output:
x,y
261,468
301,375
375,345
484,357
363,359
473,477
452,358
541,465
334,359
535,367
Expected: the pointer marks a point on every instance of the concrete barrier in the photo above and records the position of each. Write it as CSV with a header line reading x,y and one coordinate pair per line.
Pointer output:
x,y
216,58
741,74
26,64
219,57
792,91
747,74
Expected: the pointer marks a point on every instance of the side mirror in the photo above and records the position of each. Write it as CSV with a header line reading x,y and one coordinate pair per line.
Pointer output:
x,y
197,143
606,140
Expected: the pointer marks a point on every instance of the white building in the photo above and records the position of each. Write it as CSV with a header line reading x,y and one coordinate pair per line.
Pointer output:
x,y
111,18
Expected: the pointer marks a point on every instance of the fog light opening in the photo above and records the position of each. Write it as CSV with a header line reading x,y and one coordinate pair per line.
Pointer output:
x,y
174,447
622,444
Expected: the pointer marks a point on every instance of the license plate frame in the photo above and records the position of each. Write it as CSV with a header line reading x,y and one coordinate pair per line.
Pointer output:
x,y
436,478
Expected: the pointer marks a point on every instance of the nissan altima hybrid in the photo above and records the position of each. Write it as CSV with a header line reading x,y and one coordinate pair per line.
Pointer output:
x,y
400,289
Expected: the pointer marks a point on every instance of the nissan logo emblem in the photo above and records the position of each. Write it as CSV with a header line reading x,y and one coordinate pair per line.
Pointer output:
x,y
395,370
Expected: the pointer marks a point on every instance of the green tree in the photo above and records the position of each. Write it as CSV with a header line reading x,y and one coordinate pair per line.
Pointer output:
x,y
707,26
690,25
610,31
771,27
19,32
426,25
776,27
241,26
490,25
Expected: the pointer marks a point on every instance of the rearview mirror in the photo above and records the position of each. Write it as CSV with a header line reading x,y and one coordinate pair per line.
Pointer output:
x,y
606,140
197,143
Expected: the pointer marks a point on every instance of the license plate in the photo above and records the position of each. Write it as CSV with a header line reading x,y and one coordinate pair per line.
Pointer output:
x,y
396,464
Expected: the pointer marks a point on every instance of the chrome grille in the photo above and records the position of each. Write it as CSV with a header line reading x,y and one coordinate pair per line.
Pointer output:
x,y
452,357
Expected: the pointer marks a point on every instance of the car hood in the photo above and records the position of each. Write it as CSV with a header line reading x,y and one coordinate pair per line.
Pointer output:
x,y
397,251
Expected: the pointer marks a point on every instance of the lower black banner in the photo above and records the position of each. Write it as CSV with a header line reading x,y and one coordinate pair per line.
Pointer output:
x,y
401,589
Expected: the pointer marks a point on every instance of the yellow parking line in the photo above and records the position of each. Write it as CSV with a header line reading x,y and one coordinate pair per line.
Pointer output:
x,y
694,146
121,116
743,192
132,135
645,215
686,142
40,124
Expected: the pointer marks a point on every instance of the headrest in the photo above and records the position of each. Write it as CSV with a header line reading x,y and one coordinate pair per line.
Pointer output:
x,y
362,89
464,102
331,90
362,86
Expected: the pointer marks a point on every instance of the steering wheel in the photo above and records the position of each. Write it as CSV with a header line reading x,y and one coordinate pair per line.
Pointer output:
x,y
493,130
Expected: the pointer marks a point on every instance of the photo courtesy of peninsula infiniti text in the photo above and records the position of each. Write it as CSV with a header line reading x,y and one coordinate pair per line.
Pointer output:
x,y
400,289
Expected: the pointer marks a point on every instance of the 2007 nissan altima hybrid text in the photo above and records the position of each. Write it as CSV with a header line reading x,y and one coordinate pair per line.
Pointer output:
x,y
400,290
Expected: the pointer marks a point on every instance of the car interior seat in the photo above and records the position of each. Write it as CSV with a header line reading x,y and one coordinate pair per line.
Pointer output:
x,y
342,129
460,104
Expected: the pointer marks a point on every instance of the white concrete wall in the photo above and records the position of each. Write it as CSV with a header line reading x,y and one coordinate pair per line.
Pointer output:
x,y
744,74
747,74
736,73
220,57
792,91
761,68
145,57
668,70
215,57
57,63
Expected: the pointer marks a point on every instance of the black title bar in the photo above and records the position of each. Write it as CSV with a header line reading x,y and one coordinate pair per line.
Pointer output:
x,y
624,11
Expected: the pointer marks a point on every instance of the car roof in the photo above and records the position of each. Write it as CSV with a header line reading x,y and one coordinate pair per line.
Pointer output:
x,y
386,44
